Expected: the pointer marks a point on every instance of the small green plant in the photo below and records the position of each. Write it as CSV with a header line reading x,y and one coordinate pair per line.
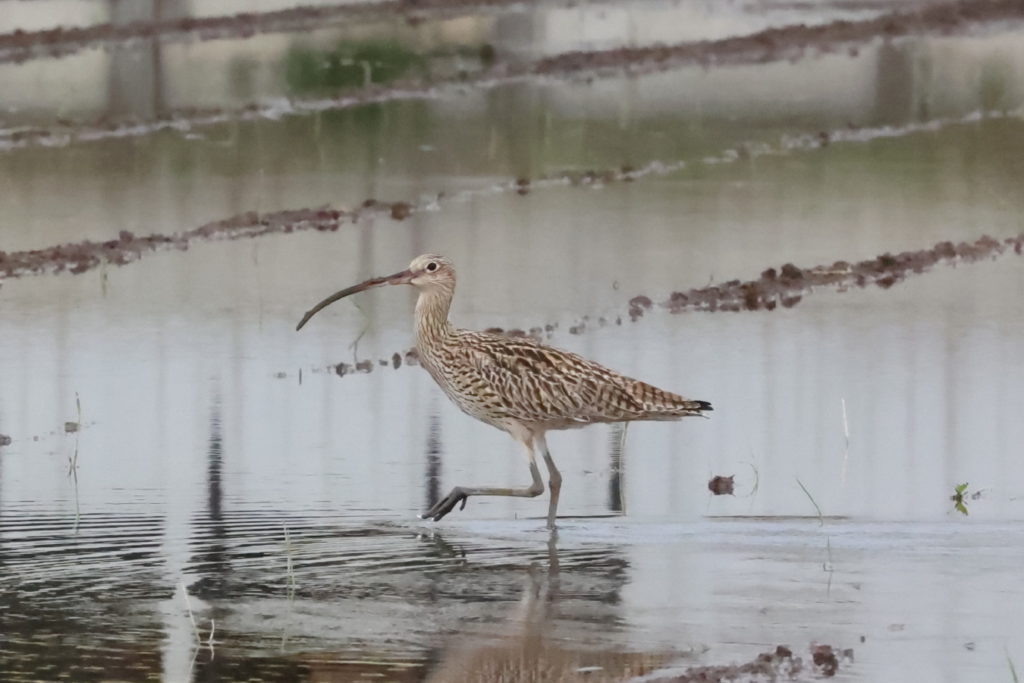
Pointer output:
x,y
958,498
348,65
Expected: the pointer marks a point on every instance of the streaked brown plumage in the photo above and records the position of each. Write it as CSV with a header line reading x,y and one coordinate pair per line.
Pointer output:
x,y
516,384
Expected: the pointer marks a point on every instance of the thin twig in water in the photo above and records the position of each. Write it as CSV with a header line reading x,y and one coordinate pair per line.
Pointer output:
x,y
290,564
821,517
191,617
846,435
1013,669
73,464
827,566
622,452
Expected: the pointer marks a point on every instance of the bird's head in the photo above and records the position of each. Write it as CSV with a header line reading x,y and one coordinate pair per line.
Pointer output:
x,y
426,272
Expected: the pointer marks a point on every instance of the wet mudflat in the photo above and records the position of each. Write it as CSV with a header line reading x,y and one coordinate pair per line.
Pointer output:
x,y
824,245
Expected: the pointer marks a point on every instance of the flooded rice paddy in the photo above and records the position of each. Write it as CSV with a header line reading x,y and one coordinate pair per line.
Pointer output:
x,y
809,215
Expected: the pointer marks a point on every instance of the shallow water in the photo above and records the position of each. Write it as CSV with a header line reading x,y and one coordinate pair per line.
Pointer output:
x,y
220,454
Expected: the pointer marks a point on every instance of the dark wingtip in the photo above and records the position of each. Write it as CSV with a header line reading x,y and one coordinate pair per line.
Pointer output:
x,y
704,405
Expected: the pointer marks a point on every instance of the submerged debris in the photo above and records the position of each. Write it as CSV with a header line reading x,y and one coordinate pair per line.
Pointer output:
x,y
637,306
70,427
722,486
772,666
5,440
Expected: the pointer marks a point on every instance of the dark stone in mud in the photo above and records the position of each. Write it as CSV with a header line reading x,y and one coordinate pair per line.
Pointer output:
x,y
825,660
400,211
70,427
722,486
5,440
784,652
342,369
766,275
790,302
751,296
522,185
791,272
364,366
637,306
396,360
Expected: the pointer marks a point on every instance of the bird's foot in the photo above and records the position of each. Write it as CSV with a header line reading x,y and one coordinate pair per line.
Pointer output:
x,y
447,504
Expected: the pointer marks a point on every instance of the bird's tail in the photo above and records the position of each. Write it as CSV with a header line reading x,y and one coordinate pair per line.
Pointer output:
x,y
664,405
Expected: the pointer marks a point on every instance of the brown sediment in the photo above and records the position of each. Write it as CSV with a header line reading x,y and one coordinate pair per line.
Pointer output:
x,y
777,665
788,287
774,44
80,257
722,486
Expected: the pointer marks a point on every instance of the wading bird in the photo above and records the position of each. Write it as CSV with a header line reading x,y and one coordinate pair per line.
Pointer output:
x,y
515,384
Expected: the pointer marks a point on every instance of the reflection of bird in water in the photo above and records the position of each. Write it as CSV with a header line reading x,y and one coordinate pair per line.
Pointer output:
x,y
518,385
523,649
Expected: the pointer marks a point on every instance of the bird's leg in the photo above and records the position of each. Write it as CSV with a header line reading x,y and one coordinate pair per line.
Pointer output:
x,y
554,480
459,494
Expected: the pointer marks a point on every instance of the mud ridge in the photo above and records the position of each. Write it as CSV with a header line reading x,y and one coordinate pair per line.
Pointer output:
x,y
19,46
783,287
80,257
788,42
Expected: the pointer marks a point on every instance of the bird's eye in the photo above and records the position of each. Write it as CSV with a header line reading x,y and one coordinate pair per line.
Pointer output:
x,y
432,266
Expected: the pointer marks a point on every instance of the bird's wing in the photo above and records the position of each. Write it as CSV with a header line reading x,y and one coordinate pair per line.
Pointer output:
x,y
539,383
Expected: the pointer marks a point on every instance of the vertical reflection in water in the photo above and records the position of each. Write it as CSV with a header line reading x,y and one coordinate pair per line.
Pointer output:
x,y
894,85
616,447
211,560
529,647
134,81
433,478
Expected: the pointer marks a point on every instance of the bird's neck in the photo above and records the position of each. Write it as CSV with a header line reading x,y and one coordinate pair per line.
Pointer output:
x,y
432,325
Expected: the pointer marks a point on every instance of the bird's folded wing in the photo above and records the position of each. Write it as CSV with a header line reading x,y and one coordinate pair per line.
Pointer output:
x,y
542,384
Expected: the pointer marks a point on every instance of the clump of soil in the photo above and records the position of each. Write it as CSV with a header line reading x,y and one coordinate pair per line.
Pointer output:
x,y
787,286
722,486
777,665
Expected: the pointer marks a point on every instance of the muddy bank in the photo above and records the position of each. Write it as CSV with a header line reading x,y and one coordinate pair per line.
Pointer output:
x,y
774,288
786,286
80,257
788,42
19,46
783,287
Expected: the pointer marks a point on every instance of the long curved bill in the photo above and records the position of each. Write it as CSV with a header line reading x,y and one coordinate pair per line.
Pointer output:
x,y
400,278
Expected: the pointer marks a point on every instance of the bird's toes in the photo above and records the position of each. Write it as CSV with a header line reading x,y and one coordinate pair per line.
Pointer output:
x,y
446,505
